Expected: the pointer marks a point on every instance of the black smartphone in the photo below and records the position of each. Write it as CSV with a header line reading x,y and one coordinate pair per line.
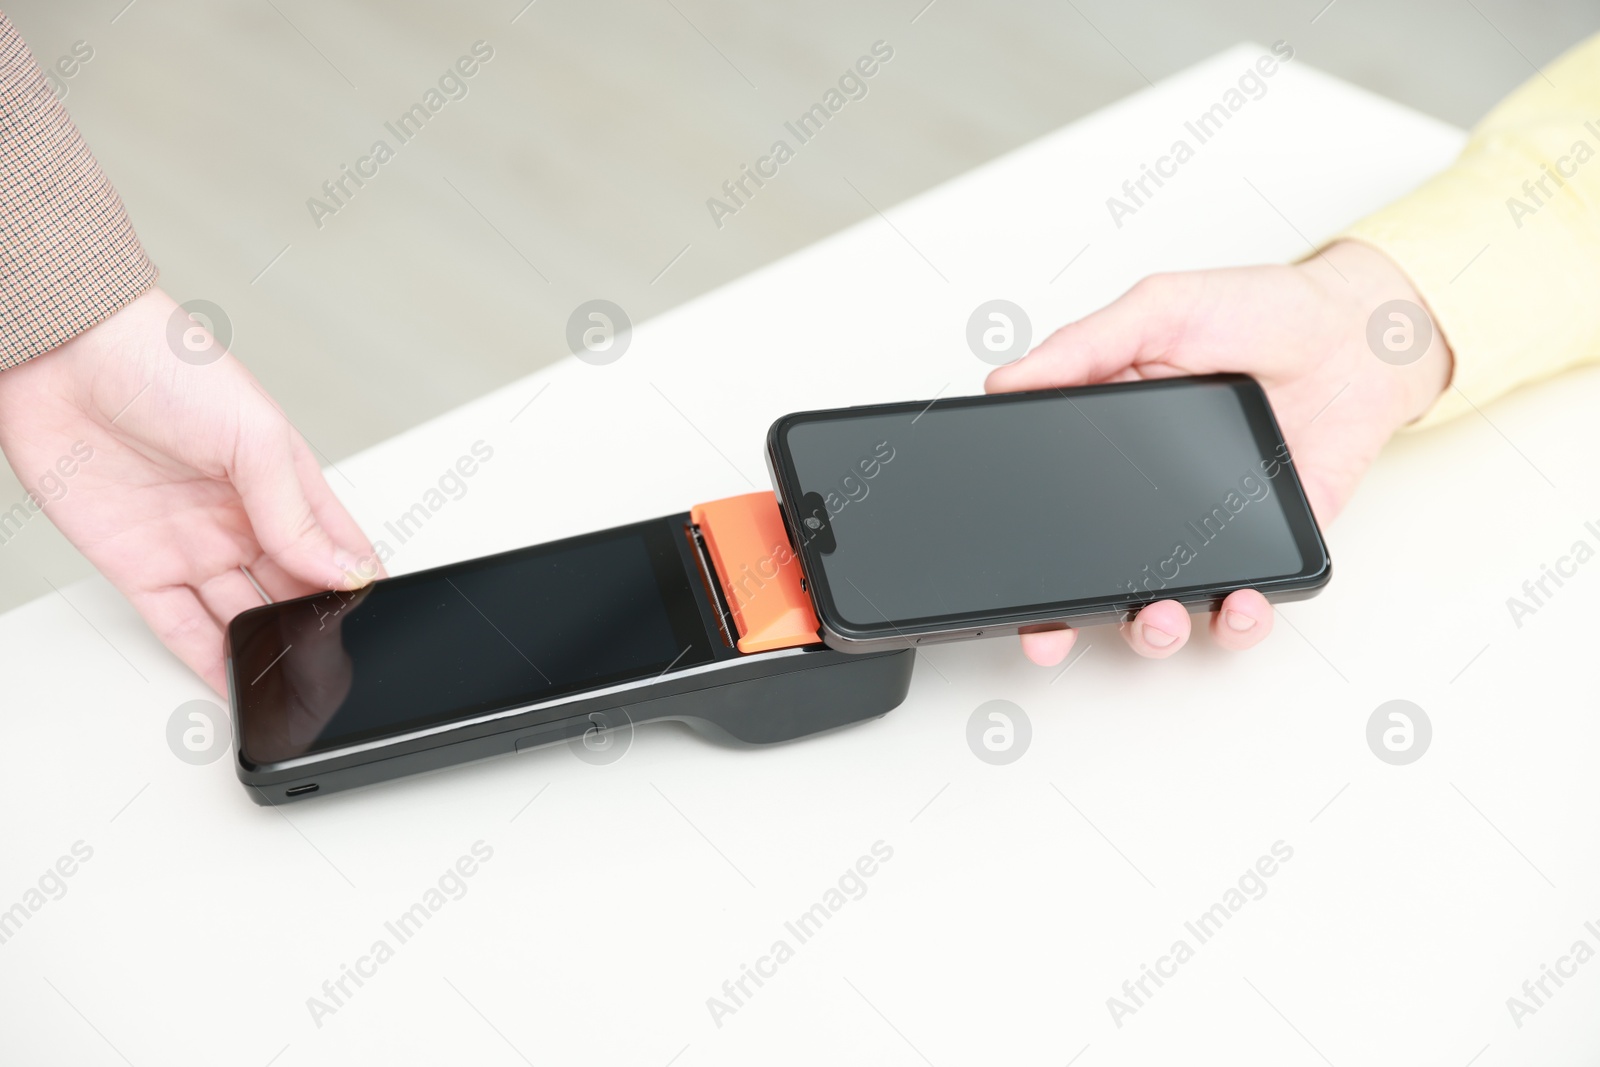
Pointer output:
x,y
986,515
555,642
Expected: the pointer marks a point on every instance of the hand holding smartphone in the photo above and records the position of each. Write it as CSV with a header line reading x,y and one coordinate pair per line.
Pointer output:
x,y
1021,512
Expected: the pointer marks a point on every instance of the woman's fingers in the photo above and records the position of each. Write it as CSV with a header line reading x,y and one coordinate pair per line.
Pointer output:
x,y
1244,621
184,625
331,512
267,476
278,583
1048,647
227,594
1140,325
1159,630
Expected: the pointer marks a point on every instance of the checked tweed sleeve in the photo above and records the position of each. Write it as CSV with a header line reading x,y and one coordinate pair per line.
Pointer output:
x,y
69,258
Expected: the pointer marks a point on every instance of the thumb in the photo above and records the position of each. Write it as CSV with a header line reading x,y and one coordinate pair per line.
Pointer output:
x,y
1140,326
281,515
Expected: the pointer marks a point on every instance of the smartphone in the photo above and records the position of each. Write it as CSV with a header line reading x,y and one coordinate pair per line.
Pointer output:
x,y
986,515
574,640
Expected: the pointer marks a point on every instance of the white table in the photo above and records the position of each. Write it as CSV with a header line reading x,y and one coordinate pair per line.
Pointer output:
x,y
1019,898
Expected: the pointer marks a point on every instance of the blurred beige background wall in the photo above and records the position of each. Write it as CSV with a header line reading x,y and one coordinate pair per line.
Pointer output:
x,y
576,160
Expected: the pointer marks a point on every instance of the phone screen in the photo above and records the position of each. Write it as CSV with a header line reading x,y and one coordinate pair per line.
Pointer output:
x,y
988,507
442,645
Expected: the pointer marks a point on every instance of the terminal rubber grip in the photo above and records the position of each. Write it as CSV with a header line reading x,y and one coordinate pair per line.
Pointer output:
x,y
758,570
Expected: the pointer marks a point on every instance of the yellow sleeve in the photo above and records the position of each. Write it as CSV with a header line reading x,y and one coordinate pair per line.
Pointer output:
x,y
1505,245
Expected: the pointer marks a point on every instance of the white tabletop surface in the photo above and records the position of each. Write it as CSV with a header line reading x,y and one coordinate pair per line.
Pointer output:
x,y
1018,898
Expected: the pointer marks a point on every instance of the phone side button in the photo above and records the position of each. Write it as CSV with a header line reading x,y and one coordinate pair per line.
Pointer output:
x,y
550,732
